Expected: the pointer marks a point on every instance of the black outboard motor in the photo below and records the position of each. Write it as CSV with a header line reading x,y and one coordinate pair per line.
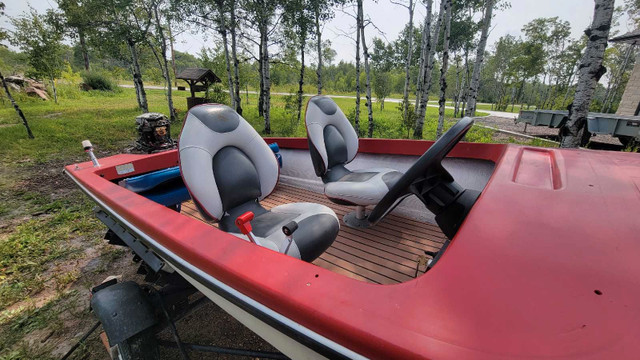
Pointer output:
x,y
154,133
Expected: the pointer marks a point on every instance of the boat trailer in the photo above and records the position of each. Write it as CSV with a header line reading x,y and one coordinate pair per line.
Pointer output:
x,y
625,128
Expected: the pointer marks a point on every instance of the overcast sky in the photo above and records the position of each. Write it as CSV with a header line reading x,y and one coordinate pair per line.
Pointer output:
x,y
390,19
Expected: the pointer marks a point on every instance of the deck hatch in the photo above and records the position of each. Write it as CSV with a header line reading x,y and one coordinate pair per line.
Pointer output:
x,y
537,168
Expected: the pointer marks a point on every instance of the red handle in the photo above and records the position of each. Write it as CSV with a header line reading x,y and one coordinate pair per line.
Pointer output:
x,y
243,222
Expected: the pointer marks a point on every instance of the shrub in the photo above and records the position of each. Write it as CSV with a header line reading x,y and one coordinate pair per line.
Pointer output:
x,y
217,95
98,81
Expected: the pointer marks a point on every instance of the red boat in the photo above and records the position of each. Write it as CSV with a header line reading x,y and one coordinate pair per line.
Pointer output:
x,y
497,251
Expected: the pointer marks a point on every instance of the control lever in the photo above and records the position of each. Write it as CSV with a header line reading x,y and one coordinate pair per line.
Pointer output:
x,y
288,231
243,222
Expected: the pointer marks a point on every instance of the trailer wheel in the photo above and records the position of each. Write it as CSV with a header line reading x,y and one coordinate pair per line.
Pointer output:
x,y
142,346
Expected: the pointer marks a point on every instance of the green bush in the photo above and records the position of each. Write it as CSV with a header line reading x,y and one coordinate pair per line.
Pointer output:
x,y
217,95
98,81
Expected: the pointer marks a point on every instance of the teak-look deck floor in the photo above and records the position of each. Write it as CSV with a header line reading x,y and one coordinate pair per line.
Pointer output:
x,y
385,254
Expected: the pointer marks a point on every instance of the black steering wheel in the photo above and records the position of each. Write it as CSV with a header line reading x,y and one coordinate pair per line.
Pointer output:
x,y
433,185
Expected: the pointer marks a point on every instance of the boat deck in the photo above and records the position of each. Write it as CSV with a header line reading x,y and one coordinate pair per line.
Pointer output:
x,y
385,254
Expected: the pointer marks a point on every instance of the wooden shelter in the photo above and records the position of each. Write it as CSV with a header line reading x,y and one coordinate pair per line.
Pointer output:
x,y
199,79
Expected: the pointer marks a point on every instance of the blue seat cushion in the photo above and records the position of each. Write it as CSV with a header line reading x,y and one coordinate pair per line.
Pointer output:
x,y
163,186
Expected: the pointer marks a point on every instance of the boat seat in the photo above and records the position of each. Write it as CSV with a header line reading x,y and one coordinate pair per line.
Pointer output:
x,y
228,168
333,143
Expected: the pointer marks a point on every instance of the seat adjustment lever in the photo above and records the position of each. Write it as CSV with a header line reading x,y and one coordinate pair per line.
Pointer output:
x,y
243,222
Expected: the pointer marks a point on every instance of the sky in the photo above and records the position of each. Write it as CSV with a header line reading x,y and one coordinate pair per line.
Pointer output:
x,y
390,19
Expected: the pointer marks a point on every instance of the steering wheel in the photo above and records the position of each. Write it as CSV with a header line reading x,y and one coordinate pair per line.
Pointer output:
x,y
433,185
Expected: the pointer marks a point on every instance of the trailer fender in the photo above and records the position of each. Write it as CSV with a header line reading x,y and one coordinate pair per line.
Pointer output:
x,y
124,310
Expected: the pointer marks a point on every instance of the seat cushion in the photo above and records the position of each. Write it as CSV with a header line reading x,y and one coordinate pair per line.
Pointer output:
x,y
362,187
318,226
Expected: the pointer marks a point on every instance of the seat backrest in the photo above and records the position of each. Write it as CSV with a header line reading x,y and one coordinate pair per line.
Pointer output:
x,y
332,139
224,162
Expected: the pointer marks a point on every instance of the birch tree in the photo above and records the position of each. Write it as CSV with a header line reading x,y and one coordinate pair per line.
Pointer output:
x,y
477,66
589,72
125,22
407,62
322,12
157,42
260,13
233,26
298,23
78,17
445,65
421,107
425,46
358,24
367,70
222,29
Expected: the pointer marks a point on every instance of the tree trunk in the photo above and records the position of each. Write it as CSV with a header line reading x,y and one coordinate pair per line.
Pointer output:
x,y
445,65
165,66
367,71
83,48
456,93
461,97
407,64
53,87
137,77
319,48
421,108
173,54
477,66
260,71
301,80
225,46
358,21
466,79
234,56
590,70
16,107
266,107
421,61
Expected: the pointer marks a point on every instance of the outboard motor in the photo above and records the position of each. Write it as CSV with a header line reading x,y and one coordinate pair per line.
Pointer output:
x,y
154,133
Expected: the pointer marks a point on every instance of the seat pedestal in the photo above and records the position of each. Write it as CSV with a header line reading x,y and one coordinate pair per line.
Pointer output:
x,y
357,219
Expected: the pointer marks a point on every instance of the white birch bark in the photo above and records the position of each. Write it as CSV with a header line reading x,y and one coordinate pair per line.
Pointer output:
x,y
432,44
445,65
477,66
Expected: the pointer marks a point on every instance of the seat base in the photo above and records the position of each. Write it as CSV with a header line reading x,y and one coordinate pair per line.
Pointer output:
x,y
357,219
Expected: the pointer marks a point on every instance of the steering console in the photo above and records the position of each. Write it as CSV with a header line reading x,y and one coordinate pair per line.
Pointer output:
x,y
433,185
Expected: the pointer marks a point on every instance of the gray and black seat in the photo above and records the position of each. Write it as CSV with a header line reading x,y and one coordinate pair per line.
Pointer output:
x,y
228,168
333,143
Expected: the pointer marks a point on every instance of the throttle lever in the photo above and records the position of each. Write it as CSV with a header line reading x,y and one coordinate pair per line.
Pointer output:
x,y
288,230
